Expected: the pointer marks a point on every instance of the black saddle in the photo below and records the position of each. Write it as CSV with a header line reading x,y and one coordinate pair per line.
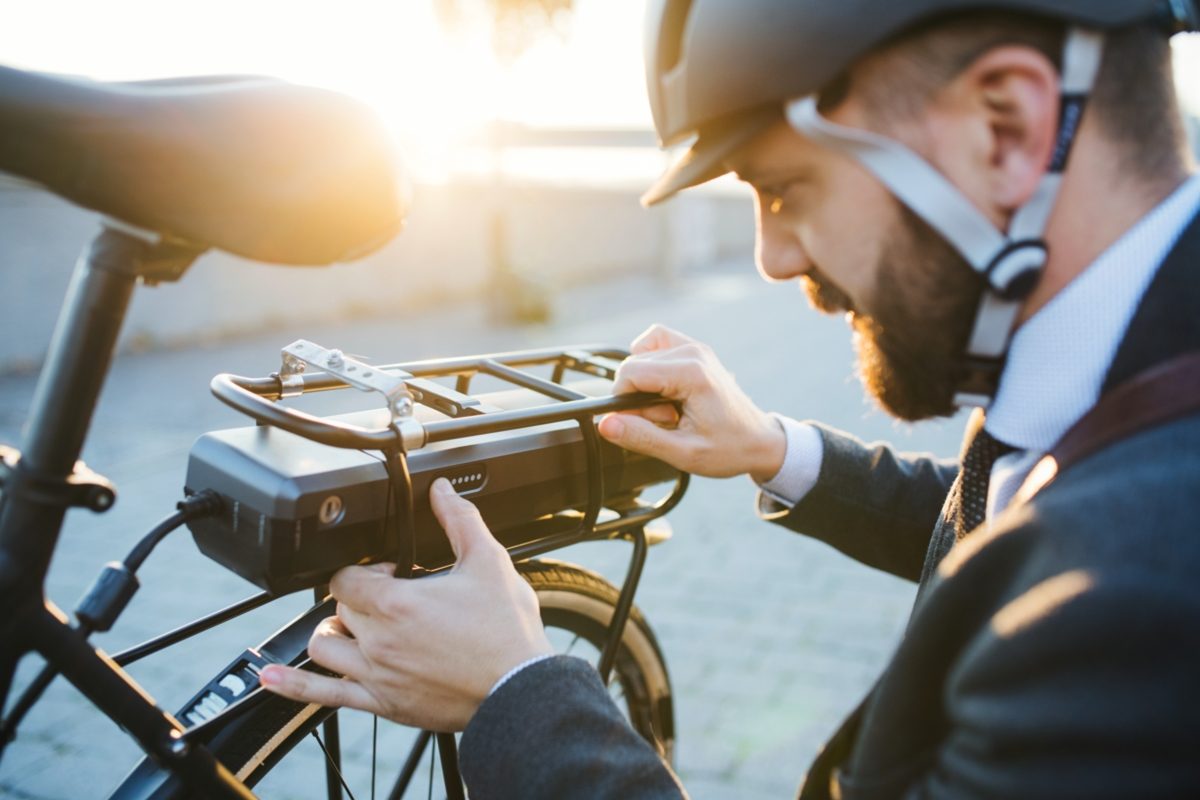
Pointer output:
x,y
254,166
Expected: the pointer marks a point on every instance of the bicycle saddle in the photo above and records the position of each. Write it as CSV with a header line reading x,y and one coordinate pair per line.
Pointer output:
x,y
255,166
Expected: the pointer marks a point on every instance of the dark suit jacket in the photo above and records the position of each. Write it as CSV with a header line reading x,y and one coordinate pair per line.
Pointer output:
x,y
1055,654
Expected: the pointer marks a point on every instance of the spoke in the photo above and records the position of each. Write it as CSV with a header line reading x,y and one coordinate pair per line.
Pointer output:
x,y
332,764
411,763
374,750
571,646
450,776
333,748
432,758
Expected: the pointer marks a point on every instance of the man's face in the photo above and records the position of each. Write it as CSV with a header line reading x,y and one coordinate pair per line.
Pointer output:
x,y
909,297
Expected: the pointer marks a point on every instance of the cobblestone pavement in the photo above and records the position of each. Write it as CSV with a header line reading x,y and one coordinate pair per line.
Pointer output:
x,y
770,637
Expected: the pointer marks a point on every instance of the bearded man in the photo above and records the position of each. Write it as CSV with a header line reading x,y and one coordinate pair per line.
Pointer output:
x,y
999,197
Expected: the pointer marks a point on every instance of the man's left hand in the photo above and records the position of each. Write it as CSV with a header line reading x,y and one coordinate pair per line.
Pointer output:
x,y
423,652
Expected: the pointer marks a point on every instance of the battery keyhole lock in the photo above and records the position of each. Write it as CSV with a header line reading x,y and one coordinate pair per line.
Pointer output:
x,y
332,510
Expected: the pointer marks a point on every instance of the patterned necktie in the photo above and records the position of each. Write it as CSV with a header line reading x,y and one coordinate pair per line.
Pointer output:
x,y
974,474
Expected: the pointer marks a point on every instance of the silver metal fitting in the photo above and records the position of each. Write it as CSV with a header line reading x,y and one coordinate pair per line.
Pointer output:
x,y
392,385
291,376
412,433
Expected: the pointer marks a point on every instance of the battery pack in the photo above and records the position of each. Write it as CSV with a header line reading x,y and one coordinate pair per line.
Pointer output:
x,y
295,511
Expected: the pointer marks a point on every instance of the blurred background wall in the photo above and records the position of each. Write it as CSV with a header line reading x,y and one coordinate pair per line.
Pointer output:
x,y
524,124
514,246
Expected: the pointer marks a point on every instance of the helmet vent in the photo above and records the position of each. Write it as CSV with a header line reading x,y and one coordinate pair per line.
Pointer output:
x,y
670,44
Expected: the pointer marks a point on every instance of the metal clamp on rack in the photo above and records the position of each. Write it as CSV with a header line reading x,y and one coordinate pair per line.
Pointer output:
x,y
392,385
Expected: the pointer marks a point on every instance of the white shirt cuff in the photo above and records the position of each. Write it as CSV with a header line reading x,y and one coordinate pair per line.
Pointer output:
x,y
801,463
512,672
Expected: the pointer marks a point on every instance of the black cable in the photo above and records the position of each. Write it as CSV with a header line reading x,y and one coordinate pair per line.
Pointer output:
x,y
109,596
151,540
201,504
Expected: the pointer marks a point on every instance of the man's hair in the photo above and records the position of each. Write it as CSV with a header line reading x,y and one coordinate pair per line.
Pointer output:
x,y
1134,99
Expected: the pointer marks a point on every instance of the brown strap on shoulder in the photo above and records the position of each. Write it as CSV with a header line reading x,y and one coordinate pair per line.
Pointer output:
x,y
1159,395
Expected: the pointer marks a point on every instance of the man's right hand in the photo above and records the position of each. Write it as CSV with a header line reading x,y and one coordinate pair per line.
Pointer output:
x,y
718,432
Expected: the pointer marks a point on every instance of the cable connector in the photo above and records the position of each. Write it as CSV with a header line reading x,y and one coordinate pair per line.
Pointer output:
x,y
201,504
108,597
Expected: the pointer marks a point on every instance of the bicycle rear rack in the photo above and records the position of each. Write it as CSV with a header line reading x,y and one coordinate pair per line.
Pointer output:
x,y
410,384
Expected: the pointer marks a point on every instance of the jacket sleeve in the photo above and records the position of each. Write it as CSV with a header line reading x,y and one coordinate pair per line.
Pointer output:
x,y
552,731
872,503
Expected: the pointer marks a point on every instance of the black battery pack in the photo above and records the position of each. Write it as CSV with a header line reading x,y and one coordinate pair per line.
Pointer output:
x,y
295,511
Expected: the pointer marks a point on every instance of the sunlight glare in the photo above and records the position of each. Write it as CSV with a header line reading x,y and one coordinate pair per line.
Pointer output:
x,y
435,89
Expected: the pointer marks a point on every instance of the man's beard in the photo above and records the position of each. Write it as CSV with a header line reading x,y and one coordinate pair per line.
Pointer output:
x,y
911,343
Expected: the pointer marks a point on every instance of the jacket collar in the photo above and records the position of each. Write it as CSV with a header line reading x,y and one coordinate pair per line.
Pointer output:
x,y
1167,321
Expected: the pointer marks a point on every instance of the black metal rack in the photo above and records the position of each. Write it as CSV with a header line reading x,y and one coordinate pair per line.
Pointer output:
x,y
468,416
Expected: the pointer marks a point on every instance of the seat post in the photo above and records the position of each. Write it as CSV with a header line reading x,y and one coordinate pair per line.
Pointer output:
x,y
36,494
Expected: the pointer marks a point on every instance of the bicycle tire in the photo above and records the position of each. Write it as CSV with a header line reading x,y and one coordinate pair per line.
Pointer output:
x,y
572,599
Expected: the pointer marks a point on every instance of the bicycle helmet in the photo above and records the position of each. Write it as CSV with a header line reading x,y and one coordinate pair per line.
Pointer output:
x,y
723,71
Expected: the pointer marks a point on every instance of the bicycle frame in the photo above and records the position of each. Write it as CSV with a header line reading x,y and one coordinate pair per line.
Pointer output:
x,y
47,479
45,482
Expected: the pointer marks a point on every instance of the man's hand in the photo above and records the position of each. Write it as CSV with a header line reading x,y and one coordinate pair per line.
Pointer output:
x,y
424,652
720,432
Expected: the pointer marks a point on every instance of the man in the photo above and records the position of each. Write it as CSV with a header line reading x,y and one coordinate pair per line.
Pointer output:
x,y
946,173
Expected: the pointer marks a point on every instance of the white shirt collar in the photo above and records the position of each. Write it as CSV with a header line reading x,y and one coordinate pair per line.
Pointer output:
x,y
1058,359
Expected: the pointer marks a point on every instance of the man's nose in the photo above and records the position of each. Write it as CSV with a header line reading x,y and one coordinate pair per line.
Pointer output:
x,y
778,252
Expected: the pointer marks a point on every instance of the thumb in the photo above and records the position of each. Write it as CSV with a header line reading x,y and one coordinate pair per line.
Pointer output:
x,y
460,520
643,436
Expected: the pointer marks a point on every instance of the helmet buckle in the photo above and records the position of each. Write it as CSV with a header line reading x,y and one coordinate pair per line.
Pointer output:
x,y
1014,271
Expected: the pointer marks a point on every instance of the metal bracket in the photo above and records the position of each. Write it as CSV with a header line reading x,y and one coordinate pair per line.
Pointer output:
x,y
585,362
290,376
160,257
83,488
302,353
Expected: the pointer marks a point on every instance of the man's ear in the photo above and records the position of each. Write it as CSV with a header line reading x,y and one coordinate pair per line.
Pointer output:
x,y
1009,97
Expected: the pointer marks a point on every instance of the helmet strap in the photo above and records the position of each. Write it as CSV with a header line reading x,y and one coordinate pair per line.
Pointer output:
x,y
1012,260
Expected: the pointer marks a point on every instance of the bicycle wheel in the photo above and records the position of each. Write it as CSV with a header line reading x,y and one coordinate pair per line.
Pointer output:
x,y
576,605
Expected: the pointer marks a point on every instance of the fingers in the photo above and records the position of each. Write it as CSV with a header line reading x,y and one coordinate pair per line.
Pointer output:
x,y
333,649
665,416
308,687
660,415
361,587
460,519
656,377
658,337
349,621
643,436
